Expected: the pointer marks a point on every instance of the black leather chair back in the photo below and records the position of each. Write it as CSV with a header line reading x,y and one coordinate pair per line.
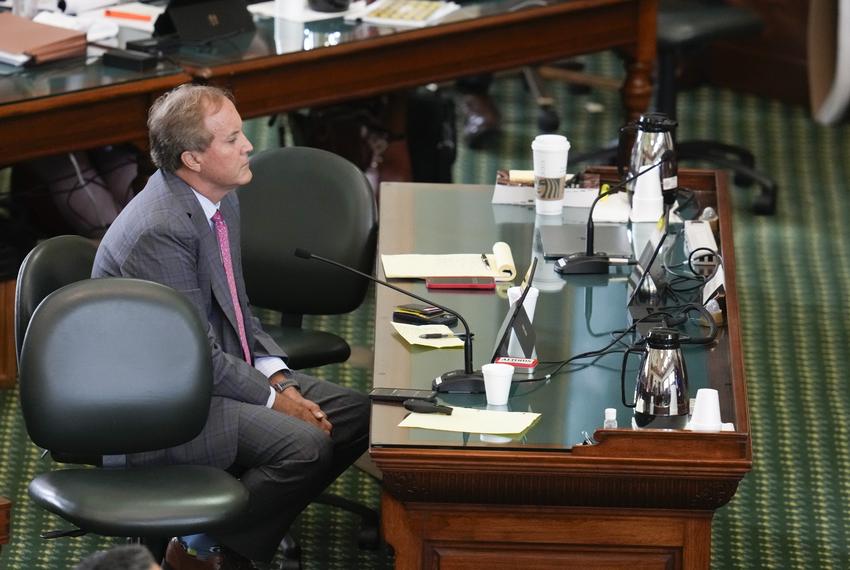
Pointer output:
x,y
50,265
312,199
113,366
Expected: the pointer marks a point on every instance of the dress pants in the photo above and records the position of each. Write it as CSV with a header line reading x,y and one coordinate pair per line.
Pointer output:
x,y
285,462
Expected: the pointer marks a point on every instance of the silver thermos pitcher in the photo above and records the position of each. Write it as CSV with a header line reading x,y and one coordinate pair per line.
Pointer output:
x,y
661,390
642,142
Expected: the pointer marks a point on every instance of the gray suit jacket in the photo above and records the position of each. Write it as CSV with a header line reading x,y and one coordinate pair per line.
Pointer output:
x,y
162,235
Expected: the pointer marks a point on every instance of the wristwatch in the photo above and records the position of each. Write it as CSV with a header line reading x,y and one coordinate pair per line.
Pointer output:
x,y
287,382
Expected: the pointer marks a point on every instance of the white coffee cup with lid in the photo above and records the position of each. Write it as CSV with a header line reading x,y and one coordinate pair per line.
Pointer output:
x,y
549,155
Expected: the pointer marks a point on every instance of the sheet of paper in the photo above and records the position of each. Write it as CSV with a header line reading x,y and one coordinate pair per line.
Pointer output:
x,y
292,12
499,265
513,195
413,335
138,16
470,420
403,13
96,29
614,208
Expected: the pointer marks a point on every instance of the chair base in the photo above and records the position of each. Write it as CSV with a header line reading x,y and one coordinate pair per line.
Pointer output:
x,y
368,537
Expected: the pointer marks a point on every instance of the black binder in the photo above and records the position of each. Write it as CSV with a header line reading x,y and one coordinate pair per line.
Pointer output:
x,y
199,21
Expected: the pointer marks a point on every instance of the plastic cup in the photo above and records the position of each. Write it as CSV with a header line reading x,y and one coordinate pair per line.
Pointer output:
x,y
706,414
290,9
497,382
549,154
647,201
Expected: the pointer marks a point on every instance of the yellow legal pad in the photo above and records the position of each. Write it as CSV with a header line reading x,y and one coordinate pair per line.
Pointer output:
x,y
471,420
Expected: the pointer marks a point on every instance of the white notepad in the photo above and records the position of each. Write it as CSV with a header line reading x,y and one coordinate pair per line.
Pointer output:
x,y
499,265
470,420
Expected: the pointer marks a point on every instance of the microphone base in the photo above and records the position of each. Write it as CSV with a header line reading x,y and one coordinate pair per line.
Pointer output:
x,y
459,382
579,263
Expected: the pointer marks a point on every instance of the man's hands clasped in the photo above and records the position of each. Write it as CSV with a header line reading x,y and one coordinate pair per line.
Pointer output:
x,y
292,403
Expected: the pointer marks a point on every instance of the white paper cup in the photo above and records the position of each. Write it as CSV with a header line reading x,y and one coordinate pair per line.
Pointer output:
x,y
290,9
497,382
549,154
706,413
647,201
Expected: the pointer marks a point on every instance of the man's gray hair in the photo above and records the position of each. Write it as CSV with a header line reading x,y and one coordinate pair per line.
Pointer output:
x,y
176,122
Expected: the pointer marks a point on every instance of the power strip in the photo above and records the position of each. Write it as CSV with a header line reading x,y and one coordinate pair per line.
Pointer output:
x,y
698,236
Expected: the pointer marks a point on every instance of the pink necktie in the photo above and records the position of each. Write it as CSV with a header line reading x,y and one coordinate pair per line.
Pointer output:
x,y
224,249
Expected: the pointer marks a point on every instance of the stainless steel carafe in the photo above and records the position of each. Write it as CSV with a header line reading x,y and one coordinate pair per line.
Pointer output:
x,y
661,388
642,142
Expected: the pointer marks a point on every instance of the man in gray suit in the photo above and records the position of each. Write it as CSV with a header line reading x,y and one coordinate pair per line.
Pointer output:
x,y
285,434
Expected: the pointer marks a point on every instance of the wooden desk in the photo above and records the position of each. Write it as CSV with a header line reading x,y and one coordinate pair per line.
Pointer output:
x,y
5,519
637,498
347,62
489,39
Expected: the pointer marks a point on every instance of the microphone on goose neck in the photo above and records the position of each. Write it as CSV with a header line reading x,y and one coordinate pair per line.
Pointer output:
x,y
459,381
590,262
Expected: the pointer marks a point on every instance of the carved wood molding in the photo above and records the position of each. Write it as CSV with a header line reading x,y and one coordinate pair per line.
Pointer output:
x,y
603,490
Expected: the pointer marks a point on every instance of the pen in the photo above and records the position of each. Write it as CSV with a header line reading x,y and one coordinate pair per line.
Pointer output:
x,y
127,15
444,335
426,407
484,260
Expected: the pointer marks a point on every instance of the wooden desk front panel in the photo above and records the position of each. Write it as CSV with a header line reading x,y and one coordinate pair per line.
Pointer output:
x,y
466,537
80,120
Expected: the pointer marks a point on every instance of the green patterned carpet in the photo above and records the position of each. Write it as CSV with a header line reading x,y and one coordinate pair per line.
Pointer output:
x,y
794,290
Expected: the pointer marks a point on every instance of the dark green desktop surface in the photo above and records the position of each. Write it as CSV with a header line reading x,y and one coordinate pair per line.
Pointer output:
x,y
574,314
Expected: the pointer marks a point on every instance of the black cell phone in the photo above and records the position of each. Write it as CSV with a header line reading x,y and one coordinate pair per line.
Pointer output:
x,y
401,394
420,314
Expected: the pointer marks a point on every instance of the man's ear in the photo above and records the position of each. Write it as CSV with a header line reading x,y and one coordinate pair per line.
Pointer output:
x,y
190,161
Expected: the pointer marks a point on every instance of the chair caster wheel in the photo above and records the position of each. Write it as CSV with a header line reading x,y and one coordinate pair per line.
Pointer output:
x,y
548,120
290,548
369,538
290,564
764,204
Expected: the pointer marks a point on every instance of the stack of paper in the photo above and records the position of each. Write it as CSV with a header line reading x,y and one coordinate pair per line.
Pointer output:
x,y
405,13
499,265
24,41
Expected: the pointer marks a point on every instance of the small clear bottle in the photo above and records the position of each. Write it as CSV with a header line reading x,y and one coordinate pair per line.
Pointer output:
x,y
610,419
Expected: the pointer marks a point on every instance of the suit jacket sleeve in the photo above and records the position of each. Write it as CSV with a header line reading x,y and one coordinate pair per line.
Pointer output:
x,y
170,256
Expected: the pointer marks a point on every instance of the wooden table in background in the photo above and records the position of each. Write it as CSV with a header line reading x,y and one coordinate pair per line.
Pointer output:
x,y
266,83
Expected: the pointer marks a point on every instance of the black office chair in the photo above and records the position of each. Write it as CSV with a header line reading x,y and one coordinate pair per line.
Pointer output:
x,y
309,198
684,26
49,266
312,199
135,376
